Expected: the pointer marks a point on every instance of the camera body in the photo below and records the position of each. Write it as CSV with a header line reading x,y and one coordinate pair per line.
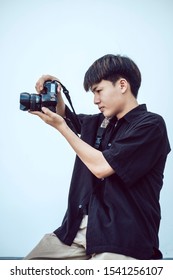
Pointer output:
x,y
47,98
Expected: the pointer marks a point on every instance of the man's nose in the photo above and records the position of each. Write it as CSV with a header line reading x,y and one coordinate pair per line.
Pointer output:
x,y
96,99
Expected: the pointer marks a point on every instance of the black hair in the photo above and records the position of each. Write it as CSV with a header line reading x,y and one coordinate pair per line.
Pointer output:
x,y
112,67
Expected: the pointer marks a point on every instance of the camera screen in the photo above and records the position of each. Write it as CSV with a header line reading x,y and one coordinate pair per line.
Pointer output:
x,y
53,87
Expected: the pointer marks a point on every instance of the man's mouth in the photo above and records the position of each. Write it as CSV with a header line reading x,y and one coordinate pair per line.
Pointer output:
x,y
101,108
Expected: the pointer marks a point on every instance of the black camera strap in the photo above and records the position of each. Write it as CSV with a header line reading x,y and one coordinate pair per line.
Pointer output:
x,y
100,132
112,128
67,95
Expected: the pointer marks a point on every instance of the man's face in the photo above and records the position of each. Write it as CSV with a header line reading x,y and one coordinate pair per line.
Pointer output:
x,y
109,98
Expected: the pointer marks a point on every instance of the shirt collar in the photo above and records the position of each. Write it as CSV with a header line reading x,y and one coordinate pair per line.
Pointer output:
x,y
140,109
129,116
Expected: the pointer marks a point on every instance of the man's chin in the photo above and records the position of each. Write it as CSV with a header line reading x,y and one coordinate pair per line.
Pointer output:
x,y
106,115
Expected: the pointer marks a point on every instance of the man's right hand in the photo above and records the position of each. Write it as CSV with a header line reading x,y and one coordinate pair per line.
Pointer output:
x,y
40,83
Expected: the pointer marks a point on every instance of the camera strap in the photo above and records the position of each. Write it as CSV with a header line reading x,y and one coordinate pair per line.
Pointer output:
x,y
67,95
100,132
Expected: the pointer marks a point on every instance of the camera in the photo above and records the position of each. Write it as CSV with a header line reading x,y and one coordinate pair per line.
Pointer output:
x,y
47,98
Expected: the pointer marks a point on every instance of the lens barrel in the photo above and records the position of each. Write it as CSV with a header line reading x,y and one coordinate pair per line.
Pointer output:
x,y
24,101
30,102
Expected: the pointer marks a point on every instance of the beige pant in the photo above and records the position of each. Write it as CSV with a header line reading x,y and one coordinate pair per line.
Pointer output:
x,y
50,247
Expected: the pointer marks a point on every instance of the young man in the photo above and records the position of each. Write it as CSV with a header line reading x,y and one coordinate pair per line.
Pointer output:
x,y
113,206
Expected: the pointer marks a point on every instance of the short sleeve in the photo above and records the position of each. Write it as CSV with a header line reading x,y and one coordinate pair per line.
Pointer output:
x,y
136,153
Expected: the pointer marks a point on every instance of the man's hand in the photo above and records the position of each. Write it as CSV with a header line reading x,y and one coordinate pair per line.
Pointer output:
x,y
60,108
40,83
50,118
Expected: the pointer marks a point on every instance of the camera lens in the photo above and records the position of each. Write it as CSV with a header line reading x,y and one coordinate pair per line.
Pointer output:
x,y
35,102
24,101
30,102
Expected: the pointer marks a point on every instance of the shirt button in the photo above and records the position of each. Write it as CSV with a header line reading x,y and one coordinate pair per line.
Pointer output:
x,y
102,179
109,144
80,206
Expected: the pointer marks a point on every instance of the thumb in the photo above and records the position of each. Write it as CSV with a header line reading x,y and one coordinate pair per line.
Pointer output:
x,y
47,111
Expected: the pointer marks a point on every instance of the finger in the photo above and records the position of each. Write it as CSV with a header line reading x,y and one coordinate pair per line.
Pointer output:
x,y
40,83
50,117
38,113
47,112
59,88
42,116
44,111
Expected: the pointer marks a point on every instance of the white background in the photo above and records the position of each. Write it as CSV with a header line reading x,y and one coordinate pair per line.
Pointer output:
x,y
63,38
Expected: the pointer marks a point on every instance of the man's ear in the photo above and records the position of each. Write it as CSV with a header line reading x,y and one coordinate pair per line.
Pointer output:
x,y
123,85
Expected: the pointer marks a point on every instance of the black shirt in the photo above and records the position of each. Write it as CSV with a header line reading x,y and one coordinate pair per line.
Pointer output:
x,y
123,209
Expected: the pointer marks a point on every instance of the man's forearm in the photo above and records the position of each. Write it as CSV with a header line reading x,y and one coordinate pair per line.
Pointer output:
x,y
91,157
